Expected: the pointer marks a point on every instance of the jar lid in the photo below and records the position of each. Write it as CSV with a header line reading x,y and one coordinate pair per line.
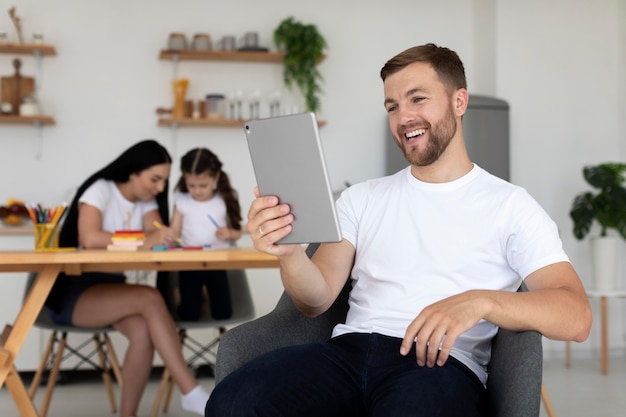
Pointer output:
x,y
29,99
215,96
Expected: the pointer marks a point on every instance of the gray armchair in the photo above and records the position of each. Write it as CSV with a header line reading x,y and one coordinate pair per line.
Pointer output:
x,y
515,373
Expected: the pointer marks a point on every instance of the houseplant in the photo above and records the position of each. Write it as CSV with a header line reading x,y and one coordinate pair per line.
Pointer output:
x,y
304,47
607,207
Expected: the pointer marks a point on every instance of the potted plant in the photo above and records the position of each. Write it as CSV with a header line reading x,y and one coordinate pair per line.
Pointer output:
x,y
304,47
608,208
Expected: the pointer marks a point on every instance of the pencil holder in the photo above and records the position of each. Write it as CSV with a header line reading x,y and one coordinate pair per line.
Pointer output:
x,y
46,236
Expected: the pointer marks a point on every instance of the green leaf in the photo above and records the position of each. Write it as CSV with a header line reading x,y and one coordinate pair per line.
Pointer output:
x,y
582,213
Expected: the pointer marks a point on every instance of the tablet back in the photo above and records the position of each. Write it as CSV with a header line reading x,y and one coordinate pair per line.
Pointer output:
x,y
288,162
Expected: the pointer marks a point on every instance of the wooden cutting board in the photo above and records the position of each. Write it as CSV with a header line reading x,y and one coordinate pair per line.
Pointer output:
x,y
13,89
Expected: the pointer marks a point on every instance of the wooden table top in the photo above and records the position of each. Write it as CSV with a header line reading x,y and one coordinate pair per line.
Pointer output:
x,y
76,262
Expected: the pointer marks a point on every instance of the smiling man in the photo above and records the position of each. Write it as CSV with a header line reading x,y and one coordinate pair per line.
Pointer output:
x,y
435,252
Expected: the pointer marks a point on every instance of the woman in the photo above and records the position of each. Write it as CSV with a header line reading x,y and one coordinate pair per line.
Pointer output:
x,y
129,193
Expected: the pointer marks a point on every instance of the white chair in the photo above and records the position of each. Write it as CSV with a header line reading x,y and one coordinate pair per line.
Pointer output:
x,y
58,349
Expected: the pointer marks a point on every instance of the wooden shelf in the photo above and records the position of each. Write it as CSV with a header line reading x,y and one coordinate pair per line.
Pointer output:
x,y
214,122
26,229
217,122
224,56
42,120
27,48
217,56
228,56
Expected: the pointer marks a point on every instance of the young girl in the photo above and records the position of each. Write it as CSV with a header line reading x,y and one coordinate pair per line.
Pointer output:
x,y
206,212
130,192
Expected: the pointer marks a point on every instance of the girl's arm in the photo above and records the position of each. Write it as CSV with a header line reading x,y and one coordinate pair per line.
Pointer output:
x,y
176,224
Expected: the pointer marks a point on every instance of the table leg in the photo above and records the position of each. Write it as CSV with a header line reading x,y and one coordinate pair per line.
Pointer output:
x,y
20,396
604,336
26,319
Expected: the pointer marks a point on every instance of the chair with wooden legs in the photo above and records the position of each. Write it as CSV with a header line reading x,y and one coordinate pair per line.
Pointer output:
x,y
58,349
196,352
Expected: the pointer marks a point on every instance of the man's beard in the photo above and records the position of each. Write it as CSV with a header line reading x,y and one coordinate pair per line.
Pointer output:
x,y
440,136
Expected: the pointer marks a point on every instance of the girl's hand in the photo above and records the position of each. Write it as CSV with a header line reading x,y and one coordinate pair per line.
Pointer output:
x,y
223,233
227,234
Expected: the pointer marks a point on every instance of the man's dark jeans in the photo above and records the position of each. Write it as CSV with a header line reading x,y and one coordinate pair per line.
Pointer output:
x,y
353,375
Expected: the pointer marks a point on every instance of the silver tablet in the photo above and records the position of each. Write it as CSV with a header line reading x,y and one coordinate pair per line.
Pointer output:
x,y
288,162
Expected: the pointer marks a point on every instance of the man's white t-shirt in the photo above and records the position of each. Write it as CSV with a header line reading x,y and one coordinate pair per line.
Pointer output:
x,y
417,243
116,210
197,227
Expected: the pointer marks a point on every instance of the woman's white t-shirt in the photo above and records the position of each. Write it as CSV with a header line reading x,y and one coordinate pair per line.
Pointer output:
x,y
117,212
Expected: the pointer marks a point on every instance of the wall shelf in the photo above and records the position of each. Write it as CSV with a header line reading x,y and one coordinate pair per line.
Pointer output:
x,y
26,229
27,48
213,122
27,120
224,56
38,50
217,56
228,56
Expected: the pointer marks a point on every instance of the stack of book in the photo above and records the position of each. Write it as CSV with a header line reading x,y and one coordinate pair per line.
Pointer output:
x,y
127,240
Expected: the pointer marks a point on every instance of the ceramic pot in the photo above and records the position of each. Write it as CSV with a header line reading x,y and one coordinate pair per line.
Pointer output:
x,y
604,262
177,42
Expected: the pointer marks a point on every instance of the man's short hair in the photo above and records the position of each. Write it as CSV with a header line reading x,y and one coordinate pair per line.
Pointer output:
x,y
444,61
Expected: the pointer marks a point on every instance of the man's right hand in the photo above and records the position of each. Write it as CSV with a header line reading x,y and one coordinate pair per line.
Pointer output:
x,y
268,222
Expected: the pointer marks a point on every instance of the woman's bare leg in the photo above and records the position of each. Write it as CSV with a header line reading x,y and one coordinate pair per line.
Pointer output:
x,y
137,363
106,304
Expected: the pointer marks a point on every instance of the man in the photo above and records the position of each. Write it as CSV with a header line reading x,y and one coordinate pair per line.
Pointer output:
x,y
436,253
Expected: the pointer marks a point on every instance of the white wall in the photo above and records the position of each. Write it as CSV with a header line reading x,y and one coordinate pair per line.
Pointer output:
x,y
560,65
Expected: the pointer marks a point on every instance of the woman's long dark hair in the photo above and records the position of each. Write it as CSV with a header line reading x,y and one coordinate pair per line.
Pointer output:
x,y
200,160
135,159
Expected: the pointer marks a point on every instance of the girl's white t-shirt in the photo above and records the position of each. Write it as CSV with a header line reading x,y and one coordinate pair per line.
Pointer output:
x,y
417,243
197,227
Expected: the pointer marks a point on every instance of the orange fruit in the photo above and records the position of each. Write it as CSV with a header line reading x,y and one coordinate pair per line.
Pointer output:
x,y
13,220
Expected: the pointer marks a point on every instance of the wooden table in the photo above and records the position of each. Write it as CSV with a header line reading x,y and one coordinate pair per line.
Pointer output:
x,y
48,265
603,295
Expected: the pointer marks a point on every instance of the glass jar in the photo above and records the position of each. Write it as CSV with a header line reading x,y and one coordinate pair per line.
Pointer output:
x,y
214,105
29,106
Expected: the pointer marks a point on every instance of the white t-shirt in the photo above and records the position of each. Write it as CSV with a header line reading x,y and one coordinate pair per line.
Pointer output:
x,y
417,243
115,208
197,227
